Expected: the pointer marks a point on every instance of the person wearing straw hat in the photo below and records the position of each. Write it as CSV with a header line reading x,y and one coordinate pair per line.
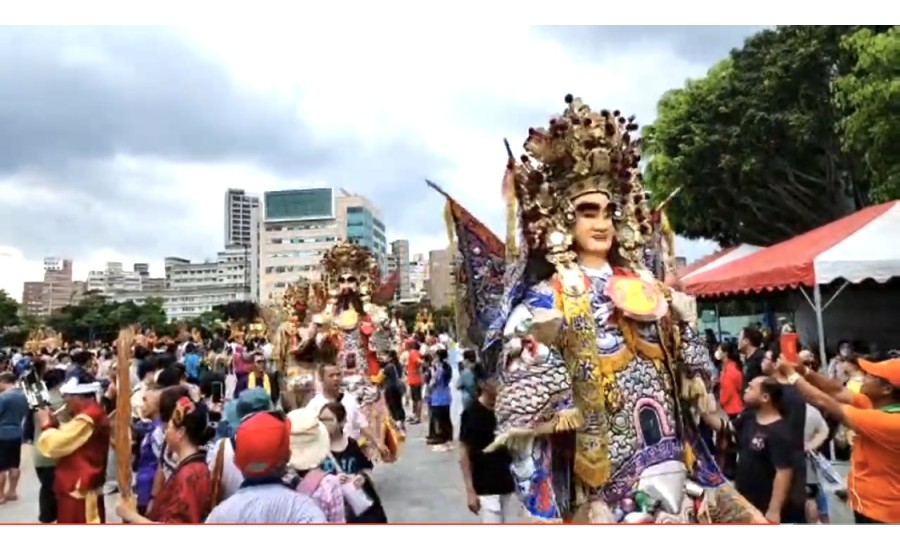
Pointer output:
x,y
874,415
310,446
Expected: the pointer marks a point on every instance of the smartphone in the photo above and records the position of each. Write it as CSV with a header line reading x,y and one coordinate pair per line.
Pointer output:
x,y
218,392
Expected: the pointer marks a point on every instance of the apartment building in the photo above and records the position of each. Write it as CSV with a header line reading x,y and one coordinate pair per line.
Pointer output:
x,y
418,277
33,298
361,223
441,278
399,261
296,229
58,288
239,217
192,288
114,279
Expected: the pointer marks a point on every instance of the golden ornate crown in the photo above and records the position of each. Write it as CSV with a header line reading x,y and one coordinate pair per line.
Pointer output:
x,y
582,151
350,259
303,295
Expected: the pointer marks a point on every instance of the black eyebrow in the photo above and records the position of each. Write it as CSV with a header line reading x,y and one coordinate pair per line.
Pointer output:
x,y
588,207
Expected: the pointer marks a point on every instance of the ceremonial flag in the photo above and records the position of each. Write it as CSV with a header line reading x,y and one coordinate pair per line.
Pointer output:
x,y
384,294
482,256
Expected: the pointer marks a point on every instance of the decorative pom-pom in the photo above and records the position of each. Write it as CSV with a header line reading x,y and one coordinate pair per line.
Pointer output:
x,y
616,113
569,99
604,113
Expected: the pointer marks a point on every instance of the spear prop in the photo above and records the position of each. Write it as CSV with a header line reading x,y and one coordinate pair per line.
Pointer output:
x,y
122,443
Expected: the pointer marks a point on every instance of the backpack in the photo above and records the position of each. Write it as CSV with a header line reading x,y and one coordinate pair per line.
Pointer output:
x,y
311,481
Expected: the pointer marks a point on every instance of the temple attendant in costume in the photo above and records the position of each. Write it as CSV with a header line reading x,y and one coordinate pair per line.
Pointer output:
x,y
257,377
80,447
602,375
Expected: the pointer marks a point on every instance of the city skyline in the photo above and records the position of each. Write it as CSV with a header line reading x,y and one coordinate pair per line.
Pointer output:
x,y
147,180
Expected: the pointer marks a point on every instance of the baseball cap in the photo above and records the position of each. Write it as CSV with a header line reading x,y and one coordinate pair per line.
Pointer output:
x,y
250,401
262,445
886,370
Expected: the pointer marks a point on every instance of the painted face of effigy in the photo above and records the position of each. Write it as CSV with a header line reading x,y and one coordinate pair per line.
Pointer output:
x,y
348,283
593,229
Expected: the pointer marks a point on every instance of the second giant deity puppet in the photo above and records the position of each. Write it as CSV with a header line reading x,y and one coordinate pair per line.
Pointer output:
x,y
361,331
602,378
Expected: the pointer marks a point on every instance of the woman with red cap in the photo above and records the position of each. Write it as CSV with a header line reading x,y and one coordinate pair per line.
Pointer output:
x,y
874,415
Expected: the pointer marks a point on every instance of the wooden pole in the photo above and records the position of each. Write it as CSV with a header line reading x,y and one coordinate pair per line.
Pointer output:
x,y
123,416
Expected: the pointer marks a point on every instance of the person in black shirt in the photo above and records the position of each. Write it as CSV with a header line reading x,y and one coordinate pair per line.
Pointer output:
x,y
347,461
765,468
489,482
750,346
793,409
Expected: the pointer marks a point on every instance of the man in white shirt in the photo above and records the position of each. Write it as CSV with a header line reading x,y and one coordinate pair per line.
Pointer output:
x,y
330,390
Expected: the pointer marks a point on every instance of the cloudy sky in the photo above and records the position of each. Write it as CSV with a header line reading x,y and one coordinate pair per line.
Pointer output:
x,y
119,143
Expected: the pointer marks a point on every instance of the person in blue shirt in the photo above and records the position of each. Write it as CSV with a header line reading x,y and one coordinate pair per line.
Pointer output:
x,y
13,411
191,362
441,399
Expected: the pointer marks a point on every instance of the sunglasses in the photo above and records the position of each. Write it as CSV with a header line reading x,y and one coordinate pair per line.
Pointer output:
x,y
347,279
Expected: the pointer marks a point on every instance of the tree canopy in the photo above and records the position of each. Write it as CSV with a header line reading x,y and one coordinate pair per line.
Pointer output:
x,y
758,146
9,311
870,94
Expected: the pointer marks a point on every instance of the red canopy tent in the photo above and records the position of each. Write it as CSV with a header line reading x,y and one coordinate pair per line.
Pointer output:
x,y
788,264
856,247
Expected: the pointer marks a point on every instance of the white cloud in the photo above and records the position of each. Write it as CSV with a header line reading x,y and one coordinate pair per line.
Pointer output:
x,y
457,92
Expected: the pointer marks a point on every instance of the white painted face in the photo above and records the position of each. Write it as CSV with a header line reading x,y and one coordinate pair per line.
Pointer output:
x,y
348,282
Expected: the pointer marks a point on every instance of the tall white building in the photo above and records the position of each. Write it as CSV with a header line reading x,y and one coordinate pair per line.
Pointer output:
x,y
418,276
194,288
297,227
399,260
114,280
239,208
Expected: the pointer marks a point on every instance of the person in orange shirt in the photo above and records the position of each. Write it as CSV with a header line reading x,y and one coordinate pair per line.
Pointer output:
x,y
731,381
874,415
414,378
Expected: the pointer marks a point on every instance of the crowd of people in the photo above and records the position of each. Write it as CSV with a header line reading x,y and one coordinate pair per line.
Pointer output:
x,y
787,419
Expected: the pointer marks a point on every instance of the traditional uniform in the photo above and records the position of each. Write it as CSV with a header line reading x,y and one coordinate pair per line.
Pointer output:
x,y
81,448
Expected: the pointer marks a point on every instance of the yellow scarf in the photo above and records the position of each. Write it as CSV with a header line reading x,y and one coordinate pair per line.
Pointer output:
x,y
251,383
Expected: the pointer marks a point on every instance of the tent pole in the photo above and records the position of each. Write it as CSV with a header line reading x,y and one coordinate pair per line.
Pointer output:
x,y
718,323
820,325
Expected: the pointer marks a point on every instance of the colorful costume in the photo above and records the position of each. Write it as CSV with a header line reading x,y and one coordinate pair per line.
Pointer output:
x,y
602,376
81,448
356,326
294,346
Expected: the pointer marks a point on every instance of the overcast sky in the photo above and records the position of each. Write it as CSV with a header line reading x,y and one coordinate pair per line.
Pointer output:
x,y
119,143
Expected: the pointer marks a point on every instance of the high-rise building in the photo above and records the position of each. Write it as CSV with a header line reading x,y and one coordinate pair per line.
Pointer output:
x,y
399,261
59,288
440,278
33,298
239,207
194,288
362,224
418,276
296,229
115,280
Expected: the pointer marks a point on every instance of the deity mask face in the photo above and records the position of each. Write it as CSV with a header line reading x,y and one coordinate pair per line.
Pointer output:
x,y
593,229
348,283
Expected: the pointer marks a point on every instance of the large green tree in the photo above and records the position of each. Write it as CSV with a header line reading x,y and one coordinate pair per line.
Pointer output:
x,y
753,145
870,95
96,318
9,312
